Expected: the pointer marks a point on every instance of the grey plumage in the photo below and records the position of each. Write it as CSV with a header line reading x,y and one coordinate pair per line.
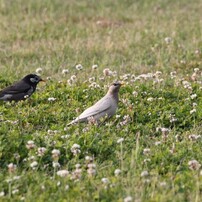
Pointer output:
x,y
105,107
21,89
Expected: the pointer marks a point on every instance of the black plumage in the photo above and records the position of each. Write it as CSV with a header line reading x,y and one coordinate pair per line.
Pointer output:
x,y
21,89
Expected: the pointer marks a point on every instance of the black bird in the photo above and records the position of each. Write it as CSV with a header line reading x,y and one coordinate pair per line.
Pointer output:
x,y
21,89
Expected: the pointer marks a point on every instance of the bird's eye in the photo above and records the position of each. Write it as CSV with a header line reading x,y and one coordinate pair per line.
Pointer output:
x,y
115,84
34,80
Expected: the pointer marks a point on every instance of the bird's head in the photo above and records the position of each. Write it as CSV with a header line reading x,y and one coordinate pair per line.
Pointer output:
x,y
114,88
32,79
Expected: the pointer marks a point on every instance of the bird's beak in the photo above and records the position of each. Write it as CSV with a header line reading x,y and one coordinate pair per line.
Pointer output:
x,y
122,83
43,80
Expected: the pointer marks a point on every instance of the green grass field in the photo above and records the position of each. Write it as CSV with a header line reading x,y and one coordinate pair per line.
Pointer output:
x,y
151,150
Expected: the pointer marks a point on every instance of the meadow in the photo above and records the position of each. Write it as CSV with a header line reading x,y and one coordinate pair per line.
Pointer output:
x,y
151,150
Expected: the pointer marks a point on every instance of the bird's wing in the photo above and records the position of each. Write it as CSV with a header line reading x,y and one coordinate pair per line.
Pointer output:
x,y
19,87
101,106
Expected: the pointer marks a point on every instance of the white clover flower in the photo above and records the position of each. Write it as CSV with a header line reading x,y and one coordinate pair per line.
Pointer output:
x,y
147,160
55,154
150,99
66,187
94,85
56,164
34,164
41,151
2,193
120,140
193,96
15,191
94,67
194,104
76,174
128,199
91,79
11,168
193,111
30,144
194,137
168,40
105,180
16,177
197,52
63,173
65,71
157,143
91,169
144,173
194,165
162,184
51,99
173,74
107,72
135,93
58,183
79,67
73,78
88,158
146,151
117,172
75,149
39,70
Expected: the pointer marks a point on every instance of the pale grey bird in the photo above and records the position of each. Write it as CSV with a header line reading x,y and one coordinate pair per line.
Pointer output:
x,y
105,107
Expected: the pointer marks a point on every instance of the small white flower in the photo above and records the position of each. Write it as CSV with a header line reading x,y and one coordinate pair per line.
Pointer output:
x,y
150,99
128,199
65,71
105,180
194,165
2,193
79,67
162,184
193,111
15,191
194,137
16,177
58,183
75,149
88,158
193,96
56,152
63,173
117,172
51,99
73,78
39,70
157,143
168,40
146,151
34,164
11,168
120,140
41,151
30,144
135,93
107,72
56,165
144,173
66,187
94,67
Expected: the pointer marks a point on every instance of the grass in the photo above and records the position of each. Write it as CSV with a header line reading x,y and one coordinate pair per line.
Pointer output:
x,y
132,38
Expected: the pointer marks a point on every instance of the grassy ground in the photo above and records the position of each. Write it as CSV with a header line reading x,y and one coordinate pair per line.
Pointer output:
x,y
155,138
